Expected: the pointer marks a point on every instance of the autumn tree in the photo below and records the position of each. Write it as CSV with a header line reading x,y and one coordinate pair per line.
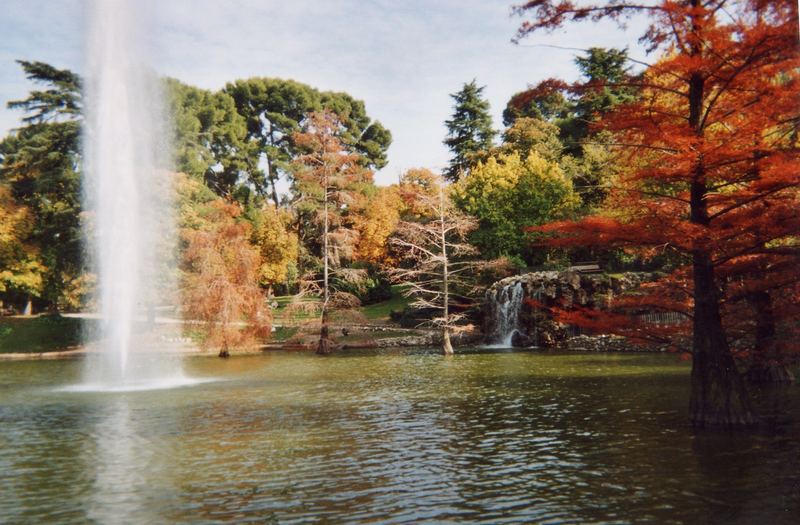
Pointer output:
x,y
417,187
20,269
327,179
221,280
435,264
278,245
469,131
376,224
714,178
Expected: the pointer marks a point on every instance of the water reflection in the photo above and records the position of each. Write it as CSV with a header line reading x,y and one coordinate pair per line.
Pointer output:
x,y
122,458
391,438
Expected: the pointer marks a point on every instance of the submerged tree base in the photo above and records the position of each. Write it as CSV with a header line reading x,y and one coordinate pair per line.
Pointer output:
x,y
769,373
719,398
447,346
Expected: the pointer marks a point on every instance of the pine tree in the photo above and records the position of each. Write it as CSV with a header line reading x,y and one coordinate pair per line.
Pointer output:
x,y
469,131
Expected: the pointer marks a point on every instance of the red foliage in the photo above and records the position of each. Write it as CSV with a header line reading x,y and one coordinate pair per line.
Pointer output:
x,y
712,150
543,90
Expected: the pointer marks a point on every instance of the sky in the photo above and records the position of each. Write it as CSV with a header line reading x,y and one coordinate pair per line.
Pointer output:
x,y
402,57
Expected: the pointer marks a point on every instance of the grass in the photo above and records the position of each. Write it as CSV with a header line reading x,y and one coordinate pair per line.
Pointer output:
x,y
373,312
283,333
39,334
51,333
381,311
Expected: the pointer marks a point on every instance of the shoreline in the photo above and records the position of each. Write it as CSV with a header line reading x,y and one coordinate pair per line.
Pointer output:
x,y
596,344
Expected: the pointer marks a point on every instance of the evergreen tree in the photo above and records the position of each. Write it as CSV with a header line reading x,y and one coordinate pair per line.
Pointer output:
x,y
469,131
39,165
274,109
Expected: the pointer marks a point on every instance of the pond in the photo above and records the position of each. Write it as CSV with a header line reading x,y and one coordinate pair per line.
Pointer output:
x,y
390,437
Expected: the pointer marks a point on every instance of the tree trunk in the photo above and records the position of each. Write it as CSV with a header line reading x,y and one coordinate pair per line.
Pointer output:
x,y
447,348
718,395
273,182
324,347
768,365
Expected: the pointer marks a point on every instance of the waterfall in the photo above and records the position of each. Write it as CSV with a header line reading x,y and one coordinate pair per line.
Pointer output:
x,y
128,195
507,304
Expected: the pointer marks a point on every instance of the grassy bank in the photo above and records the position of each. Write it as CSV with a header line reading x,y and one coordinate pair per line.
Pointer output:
x,y
54,333
39,334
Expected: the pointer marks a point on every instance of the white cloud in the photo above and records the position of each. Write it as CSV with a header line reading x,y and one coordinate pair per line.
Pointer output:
x,y
401,58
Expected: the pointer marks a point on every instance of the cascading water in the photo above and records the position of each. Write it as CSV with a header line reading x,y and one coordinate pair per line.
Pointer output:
x,y
129,195
507,305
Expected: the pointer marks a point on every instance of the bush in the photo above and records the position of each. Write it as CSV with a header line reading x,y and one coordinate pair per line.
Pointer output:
x,y
365,283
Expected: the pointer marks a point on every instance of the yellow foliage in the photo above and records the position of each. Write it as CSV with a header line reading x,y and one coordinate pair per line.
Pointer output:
x,y
377,223
277,243
417,186
20,268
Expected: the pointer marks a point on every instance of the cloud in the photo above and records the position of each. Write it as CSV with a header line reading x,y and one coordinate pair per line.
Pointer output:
x,y
402,58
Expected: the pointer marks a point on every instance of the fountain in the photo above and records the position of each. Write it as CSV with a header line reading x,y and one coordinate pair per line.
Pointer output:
x,y
128,190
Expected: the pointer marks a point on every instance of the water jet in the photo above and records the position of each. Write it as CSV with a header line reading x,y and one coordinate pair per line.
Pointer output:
x,y
128,194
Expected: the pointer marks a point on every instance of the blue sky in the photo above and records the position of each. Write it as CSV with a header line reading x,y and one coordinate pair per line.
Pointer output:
x,y
403,58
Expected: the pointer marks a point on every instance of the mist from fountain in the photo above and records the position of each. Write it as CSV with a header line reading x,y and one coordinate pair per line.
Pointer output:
x,y
129,195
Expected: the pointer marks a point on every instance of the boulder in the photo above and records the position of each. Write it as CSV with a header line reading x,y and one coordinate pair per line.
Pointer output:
x,y
520,340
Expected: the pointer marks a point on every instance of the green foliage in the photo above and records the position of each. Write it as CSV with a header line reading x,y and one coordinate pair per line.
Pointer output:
x,y
534,114
548,100
507,194
194,203
469,131
39,166
61,99
592,171
20,268
208,135
274,109
43,334
528,136
605,84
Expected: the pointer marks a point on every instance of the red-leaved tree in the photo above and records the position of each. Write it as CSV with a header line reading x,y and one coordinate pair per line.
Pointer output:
x,y
711,143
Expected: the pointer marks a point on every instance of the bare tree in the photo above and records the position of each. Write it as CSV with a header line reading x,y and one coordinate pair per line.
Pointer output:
x,y
435,266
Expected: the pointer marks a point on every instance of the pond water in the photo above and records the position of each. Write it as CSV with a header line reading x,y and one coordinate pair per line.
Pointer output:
x,y
394,437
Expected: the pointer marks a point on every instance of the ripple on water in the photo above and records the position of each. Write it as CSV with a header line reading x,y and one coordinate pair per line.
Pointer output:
x,y
491,438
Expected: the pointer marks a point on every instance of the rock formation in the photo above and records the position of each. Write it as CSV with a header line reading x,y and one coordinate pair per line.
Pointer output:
x,y
512,319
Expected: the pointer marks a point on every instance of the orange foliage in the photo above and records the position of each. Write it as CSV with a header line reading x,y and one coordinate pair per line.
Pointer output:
x,y
221,281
